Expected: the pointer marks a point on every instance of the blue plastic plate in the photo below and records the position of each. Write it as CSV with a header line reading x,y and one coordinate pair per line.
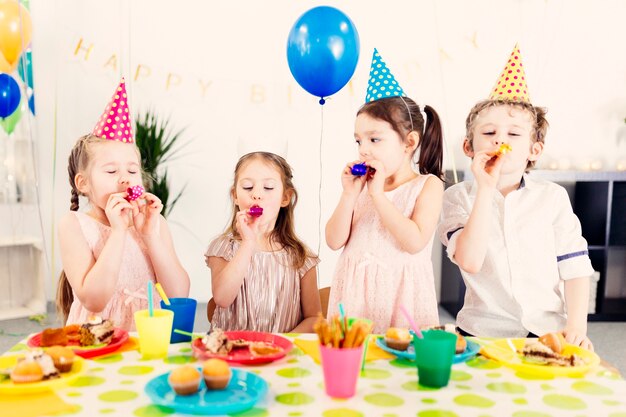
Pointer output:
x,y
242,392
470,351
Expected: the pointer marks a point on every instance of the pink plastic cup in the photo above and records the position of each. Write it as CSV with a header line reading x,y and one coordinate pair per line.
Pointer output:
x,y
341,370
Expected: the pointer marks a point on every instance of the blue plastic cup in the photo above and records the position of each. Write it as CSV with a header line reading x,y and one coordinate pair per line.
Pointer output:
x,y
184,315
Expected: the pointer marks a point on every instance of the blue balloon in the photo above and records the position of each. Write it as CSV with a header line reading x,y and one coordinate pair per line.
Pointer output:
x,y
323,50
9,95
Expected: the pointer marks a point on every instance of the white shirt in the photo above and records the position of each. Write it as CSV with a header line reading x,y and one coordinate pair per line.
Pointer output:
x,y
535,243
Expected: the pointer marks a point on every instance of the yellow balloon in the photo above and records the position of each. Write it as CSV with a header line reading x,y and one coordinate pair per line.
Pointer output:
x,y
6,67
16,29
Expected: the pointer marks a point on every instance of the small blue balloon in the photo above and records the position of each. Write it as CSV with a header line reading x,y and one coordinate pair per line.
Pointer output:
x,y
31,103
323,51
359,170
9,95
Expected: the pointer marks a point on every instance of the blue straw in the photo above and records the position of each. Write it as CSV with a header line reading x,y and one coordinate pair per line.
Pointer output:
x,y
342,315
150,299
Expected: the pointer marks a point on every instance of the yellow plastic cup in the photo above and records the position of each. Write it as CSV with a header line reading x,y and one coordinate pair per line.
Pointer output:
x,y
154,332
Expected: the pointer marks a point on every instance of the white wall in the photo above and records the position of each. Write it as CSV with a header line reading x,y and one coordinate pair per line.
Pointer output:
x,y
444,53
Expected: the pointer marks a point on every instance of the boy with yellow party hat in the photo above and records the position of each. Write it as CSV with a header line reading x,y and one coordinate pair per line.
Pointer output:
x,y
515,238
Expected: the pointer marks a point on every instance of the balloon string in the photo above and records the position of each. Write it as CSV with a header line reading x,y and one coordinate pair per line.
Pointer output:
x,y
319,193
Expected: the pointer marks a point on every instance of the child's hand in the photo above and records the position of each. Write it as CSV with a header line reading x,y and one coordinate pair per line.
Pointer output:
x,y
376,179
117,211
486,168
577,337
352,184
146,212
247,226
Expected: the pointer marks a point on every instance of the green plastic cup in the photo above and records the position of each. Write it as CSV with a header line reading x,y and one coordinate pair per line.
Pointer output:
x,y
433,356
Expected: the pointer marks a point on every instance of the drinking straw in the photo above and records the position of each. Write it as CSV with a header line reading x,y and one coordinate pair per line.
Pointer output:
x,y
150,299
411,322
342,315
159,288
367,342
192,335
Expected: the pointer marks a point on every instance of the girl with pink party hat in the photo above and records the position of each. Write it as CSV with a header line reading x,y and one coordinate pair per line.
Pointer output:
x,y
389,208
112,250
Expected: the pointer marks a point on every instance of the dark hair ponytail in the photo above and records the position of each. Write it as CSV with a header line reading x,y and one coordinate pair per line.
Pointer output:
x,y
431,146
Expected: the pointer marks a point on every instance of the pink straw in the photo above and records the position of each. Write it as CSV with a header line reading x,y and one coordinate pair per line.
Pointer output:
x,y
411,322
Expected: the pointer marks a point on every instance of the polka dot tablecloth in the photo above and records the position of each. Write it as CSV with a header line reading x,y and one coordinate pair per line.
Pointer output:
x,y
114,385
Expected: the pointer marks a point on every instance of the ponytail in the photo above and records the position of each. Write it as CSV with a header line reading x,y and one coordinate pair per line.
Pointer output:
x,y
431,145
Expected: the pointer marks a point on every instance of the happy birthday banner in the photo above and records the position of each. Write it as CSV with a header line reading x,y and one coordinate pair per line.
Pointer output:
x,y
106,60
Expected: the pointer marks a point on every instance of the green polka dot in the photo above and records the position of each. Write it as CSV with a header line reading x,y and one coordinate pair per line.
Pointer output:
x,y
436,413
292,361
341,412
74,394
18,347
185,350
546,387
466,387
520,401
294,398
135,370
179,359
565,402
127,382
293,384
494,375
86,381
152,411
533,377
295,413
621,414
98,369
109,359
255,371
253,412
530,414
410,386
587,387
429,400
610,402
403,363
460,376
115,396
390,415
375,374
482,363
609,375
384,400
411,373
293,372
507,387
379,386
107,410
296,351
292,334
473,400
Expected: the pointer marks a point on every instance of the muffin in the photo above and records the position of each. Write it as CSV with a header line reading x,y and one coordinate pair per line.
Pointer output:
x,y
62,357
398,338
26,371
185,380
216,374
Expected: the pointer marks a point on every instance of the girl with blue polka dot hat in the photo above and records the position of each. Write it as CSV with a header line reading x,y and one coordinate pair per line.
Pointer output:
x,y
389,208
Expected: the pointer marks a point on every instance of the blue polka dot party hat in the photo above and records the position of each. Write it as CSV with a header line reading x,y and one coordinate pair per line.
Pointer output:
x,y
382,83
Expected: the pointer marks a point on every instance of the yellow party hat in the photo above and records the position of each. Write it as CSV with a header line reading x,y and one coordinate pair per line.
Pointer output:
x,y
512,82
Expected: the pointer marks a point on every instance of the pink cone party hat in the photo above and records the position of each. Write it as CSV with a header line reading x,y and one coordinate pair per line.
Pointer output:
x,y
115,123
511,85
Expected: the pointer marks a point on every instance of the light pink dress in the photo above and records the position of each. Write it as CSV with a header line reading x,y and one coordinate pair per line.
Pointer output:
x,y
131,290
374,276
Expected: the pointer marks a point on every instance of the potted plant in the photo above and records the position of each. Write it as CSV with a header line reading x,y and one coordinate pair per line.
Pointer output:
x,y
156,142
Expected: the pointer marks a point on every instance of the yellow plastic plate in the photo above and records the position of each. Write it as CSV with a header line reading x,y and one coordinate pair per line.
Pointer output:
x,y
9,387
502,351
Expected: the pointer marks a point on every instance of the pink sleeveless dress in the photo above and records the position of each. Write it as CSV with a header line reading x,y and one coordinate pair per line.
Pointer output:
x,y
374,276
131,291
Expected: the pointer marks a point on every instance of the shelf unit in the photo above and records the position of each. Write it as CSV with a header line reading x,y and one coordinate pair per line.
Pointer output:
x,y
599,201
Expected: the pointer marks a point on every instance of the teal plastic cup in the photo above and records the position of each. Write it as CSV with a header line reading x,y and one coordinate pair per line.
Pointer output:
x,y
433,356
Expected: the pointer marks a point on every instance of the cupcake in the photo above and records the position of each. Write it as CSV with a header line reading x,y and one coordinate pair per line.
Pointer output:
x,y
216,374
398,338
26,371
62,357
185,380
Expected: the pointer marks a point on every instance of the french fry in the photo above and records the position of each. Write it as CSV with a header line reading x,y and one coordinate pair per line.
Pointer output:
x,y
331,333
